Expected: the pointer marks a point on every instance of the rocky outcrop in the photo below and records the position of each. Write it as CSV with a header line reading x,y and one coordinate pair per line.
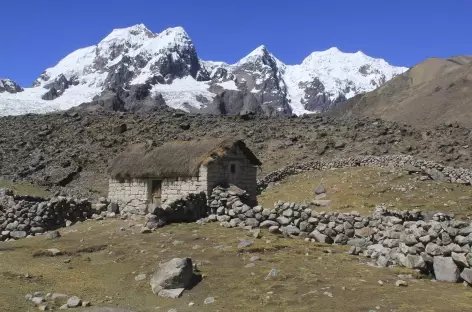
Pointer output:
x,y
136,99
57,87
8,85
231,102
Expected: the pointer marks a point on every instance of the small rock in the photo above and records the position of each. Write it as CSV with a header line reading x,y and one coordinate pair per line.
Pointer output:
x,y
466,275
86,303
145,230
58,296
18,234
274,229
255,258
380,282
43,308
171,293
74,302
400,283
209,300
140,277
52,235
319,189
63,307
245,243
256,233
321,202
38,300
272,273
54,252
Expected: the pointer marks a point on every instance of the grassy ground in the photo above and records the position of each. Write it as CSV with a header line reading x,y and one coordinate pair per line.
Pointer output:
x,y
363,188
23,188
105,256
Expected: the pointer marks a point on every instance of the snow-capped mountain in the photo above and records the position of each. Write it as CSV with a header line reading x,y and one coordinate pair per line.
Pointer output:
x,y
8,85
136,70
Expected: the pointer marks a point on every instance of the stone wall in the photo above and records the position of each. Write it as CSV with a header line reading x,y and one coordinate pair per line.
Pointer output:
x,y
21,216
434,170
130,195
176,188
433,243
191,207
245,175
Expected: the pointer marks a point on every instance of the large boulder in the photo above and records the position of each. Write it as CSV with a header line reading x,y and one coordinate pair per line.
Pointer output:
x,y
177,273
445,269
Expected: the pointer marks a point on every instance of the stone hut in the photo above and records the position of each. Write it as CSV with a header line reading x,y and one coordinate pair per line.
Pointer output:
x,y
141,176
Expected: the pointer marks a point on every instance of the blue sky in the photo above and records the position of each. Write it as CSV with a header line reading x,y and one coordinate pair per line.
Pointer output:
x,y
37,34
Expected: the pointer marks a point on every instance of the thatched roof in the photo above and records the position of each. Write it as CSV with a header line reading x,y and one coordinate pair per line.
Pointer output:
x,y
173,159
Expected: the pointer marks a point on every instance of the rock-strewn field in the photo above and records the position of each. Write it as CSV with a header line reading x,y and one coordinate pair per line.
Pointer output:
x,y
70,151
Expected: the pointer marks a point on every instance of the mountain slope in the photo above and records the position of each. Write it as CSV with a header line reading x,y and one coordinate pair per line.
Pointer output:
x,y
133,69
432,92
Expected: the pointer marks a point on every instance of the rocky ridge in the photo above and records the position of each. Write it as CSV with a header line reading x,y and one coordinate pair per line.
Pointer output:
x,y
432,92
134,69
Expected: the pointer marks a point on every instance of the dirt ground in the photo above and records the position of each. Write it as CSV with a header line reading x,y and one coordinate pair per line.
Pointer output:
x,y
101,259
362,188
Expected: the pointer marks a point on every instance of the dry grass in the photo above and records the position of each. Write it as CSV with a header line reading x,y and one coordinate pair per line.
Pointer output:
x,y
362,188
24,188
307,271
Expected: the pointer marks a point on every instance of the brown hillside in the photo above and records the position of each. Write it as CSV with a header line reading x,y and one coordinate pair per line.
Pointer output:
x,y
432,92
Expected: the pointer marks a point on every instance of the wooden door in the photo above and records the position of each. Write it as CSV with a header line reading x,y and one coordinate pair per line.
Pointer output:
x,y
156,191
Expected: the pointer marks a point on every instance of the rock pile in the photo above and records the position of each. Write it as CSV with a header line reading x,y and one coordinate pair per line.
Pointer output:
x,y
46,301
21,216
431,169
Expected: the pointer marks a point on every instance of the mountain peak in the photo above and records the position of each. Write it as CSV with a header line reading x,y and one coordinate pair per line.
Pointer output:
x,y
178,30
258,53
333,50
